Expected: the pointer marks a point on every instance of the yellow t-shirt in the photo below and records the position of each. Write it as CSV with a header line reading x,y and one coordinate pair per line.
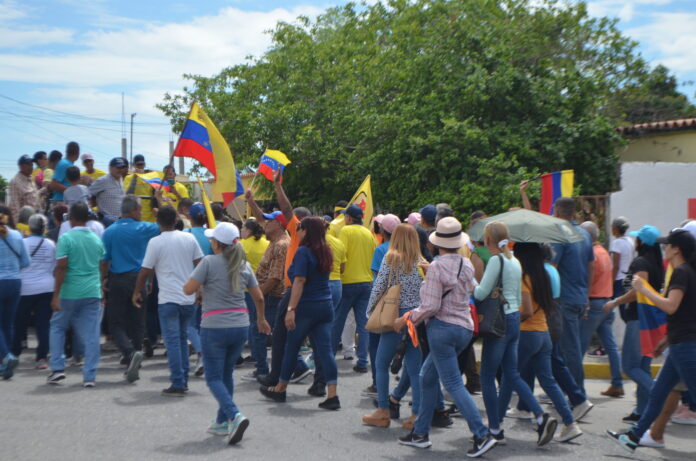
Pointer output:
x,y
183,192
338,250
254,250
336,225
536,322
23,228
360,245
144,191
96,174
48,175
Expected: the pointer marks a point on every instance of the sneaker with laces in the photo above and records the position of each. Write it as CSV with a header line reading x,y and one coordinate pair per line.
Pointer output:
x,y
77,361
481,446
546,429
631,419
41,364
569,432
580,411
56,377
299,375
88,384
686,416
9,364
370,391
499,437
251,377
133,371
237,426
627,440
219,428
519,414
415,440
172,391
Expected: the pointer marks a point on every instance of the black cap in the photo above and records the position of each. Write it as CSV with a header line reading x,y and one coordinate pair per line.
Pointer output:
x,y
25,160
680,238
119,162
354,211
138,159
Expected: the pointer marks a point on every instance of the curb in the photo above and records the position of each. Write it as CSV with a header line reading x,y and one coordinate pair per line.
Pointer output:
x,y
602,370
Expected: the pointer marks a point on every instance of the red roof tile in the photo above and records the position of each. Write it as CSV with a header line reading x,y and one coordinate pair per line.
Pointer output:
x,y
653,127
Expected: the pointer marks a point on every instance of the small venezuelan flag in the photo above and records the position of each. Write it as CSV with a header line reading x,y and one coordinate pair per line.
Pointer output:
x,y
155,179
553,186
271,161
652,321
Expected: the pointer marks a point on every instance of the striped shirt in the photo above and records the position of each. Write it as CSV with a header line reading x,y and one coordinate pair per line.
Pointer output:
x,y
108,192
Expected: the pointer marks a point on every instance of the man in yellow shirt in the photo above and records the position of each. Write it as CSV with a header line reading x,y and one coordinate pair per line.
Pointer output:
x,y
357,282
177,191
90,174
134,185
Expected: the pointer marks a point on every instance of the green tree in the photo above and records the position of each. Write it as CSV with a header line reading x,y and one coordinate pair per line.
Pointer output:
x,y
3,189
440,100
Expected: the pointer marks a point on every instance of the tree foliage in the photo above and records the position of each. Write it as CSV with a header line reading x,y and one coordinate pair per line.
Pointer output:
x,y
439,100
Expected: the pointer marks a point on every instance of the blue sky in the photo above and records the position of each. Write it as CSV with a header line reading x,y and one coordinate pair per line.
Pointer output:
x,y
65,63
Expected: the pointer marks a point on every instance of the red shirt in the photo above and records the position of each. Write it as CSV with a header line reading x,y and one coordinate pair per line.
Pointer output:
x,y
602,282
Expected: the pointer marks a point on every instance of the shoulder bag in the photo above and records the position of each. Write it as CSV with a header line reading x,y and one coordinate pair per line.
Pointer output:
x,y
491,310
386,309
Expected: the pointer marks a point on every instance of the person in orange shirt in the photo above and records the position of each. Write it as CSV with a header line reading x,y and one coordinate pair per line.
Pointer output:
x,y
600,292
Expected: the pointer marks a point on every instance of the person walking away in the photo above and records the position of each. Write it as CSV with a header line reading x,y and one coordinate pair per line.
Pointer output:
x,y
172,255
37,290
59,182
76,192
680,306
648,266
77,296
400,266
444,306
125,243
13,258
310,311
108,190
223,277
22,190
601,291
503,351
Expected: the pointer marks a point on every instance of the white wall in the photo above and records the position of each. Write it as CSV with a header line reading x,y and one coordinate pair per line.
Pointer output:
x,y
654,193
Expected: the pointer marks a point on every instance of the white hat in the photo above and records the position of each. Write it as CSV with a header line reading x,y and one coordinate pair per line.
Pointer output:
x,y
448,234
224,232
691,227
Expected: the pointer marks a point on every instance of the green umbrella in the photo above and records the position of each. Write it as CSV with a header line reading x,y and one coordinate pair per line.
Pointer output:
x,y
530,226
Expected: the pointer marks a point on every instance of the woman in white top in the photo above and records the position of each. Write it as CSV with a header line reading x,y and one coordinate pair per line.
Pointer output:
x,y
37,290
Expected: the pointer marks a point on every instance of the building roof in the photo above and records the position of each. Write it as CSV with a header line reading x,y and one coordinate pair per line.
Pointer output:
x,y
658,127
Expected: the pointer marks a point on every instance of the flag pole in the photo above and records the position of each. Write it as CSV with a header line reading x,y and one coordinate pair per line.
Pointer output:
x,y
206,203
236,208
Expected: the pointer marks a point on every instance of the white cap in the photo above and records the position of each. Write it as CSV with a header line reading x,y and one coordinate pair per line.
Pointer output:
x,y
691,227
224,232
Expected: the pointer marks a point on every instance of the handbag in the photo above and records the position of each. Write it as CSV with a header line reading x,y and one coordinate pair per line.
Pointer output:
x,y
555,322
491,310
386,309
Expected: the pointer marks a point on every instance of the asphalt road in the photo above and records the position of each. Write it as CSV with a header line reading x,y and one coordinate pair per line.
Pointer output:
x,y
116,420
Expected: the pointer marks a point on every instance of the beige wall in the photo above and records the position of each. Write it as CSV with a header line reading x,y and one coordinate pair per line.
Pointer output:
x,y
671,147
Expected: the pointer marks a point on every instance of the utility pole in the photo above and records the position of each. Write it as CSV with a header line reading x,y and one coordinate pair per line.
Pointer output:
x,y
131,138
124,142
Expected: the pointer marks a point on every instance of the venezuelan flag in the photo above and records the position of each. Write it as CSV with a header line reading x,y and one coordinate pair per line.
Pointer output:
x,y
652,321
555,185
271,161
155,179
201,140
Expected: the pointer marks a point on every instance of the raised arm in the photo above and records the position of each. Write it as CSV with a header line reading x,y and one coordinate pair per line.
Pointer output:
x,y
283,201
254,207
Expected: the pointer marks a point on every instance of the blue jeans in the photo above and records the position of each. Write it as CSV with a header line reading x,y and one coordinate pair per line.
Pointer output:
x,y
373,340
174,321
499,352
221,347
636,365
601,323
355,296
446,342
388,343
313,319
9,299
257,339
679,365
535,355
570,340
194,328
336,288
84,315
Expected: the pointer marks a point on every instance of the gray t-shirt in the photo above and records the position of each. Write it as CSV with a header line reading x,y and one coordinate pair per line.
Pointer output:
x,y
76,194
211,272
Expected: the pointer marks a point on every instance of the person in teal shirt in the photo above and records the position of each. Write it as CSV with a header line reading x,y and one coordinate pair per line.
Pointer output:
x,y
77,296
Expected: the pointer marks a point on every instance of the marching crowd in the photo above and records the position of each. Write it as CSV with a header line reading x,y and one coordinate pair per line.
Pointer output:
x,y
88,254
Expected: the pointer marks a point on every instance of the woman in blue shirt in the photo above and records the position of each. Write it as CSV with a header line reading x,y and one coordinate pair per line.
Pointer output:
x,y
13,258
310,310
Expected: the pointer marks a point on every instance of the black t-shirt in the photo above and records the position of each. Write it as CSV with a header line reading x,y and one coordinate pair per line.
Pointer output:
x,y
681,326
423,239
655,278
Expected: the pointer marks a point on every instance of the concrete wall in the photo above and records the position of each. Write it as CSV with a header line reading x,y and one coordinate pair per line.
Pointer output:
x,y
671,147
654,193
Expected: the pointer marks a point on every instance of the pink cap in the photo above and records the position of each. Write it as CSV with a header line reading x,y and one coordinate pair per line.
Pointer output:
x,y
378,218
390,222
414,219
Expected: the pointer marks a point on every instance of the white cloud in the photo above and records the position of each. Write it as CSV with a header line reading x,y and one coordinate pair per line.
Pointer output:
x,y
622,9
26,38
670,37
9,10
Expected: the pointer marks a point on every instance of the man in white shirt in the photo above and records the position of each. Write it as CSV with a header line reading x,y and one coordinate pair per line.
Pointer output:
x,y
172,256
622,250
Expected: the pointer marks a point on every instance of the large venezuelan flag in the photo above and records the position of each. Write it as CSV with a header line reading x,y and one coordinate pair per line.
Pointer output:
x,y
201,140
555,185
155,179
652,321
271,161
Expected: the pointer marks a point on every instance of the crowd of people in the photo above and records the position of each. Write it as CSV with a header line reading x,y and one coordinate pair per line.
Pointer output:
x,y
89,254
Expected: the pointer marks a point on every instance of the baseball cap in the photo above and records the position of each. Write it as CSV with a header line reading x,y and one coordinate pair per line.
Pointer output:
x,y
87,156
25,160
428,213
119,162
413,219
390,222
647,234
379,218
681,238
354,211
691,227
620,223
224,232
276,216
138,159
196,210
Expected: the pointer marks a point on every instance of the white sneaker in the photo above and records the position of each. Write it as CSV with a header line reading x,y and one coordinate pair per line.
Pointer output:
x,y
519,414
648,441
582,410
570,432
685,417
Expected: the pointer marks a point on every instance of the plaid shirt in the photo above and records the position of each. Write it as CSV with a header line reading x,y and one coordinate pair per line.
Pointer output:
x,y
23,192
440,277
272,266
108,192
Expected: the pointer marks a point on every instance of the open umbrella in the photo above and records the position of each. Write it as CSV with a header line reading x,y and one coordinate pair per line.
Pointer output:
x,y
530,226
